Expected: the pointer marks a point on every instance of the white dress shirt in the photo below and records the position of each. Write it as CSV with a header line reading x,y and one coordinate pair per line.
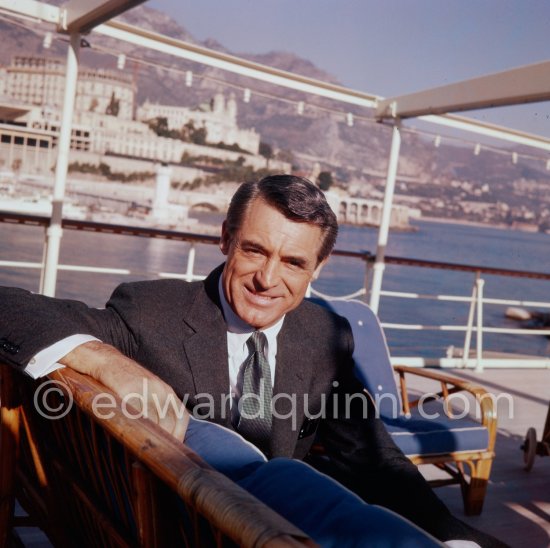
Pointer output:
x,y
46,360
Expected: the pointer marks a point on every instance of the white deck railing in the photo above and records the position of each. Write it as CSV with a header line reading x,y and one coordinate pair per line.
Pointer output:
x,y
477,301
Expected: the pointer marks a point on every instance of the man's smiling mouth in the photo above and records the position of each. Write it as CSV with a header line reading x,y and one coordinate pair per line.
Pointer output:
x,y
259,298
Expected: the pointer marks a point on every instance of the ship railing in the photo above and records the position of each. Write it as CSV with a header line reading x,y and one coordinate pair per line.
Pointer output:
x,y
475,320
477,300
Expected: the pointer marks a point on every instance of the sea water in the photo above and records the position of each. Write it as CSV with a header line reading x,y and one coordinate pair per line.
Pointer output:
x,y
434,241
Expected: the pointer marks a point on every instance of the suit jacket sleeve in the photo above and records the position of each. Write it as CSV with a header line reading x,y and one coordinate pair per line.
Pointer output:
x,y
30,322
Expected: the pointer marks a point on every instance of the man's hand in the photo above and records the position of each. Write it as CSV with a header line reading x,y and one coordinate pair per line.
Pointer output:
x,y
136,386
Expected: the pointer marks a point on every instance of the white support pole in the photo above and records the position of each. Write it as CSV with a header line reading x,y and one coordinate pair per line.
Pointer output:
x,y
162,190
191,263
479,334
470,324
54,231
383,231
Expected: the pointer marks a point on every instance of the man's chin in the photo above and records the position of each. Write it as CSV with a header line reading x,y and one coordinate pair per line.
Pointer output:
x,y
261,320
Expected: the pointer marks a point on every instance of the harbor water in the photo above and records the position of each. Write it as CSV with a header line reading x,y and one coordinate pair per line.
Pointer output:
x,y
435,241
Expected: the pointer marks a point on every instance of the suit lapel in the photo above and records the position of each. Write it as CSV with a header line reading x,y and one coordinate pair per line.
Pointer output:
x,y
206,350
292,379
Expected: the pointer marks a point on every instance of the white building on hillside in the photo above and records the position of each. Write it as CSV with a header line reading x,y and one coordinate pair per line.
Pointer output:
x,y
40,81
219,118
104,128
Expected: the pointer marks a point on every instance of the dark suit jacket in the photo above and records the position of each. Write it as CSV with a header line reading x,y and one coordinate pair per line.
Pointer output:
x,y
176,329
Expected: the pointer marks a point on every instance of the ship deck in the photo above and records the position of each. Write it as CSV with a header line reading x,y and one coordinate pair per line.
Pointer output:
x,y
517,505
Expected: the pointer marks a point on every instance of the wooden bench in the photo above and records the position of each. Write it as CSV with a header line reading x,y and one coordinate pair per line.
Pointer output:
x,y
87,481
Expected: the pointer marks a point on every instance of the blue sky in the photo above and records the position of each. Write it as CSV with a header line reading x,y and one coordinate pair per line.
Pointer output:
x,y
387,47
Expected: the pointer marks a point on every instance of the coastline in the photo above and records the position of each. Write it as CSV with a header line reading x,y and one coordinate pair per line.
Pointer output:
x,y
450,221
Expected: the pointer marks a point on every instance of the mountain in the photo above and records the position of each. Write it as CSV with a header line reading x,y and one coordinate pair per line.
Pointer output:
x,y
356,155
317,135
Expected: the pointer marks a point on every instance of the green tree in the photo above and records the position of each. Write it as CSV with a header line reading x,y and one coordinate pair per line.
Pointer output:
x,y
266,150
325,180
114,106
198,136
160,126
187,130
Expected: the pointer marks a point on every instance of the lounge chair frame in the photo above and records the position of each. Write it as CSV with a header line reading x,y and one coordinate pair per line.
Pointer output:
x,y
478,463
86,481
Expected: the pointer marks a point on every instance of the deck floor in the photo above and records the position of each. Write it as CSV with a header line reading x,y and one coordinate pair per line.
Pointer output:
x,y
517,506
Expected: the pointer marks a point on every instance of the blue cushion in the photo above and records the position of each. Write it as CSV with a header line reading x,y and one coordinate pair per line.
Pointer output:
x,y
419,435
371,355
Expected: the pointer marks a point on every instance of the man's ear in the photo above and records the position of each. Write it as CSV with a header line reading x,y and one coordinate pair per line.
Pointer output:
x,y
318,269
225,239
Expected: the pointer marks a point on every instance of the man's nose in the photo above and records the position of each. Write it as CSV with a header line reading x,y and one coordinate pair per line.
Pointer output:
x,y
268,275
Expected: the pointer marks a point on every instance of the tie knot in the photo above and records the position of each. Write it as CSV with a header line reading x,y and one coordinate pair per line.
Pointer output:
x,y
256,342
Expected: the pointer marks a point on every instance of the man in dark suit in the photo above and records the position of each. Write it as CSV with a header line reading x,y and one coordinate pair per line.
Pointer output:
x,y
194,339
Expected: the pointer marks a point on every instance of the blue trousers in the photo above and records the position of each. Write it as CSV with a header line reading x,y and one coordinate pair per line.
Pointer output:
x,y
329,513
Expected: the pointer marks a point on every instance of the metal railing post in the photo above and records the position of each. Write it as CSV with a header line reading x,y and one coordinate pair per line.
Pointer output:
x,y
479,334
191,263
383,231
367,276
54,231
469,325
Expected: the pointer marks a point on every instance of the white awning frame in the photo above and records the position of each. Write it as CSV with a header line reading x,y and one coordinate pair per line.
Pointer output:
x,y
520,85
526,84
83,15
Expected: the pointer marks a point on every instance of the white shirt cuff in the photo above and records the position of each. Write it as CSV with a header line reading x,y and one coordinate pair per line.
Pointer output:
x,y
46,360
461,544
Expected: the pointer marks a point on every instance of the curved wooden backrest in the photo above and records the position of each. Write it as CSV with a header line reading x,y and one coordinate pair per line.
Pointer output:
x,y
88,481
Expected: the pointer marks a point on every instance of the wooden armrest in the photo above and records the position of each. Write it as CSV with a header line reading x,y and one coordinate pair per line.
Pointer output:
x,y
289,542
482,397
85,470
185,472
441,377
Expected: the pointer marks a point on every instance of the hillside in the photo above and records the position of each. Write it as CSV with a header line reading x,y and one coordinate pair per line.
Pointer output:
x,y
442,181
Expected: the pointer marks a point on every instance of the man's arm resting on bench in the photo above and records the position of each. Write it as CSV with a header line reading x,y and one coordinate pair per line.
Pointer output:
x,y
127,379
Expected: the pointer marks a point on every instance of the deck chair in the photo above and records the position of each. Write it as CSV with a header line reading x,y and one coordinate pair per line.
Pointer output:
x,y
121,482
124,482
425,427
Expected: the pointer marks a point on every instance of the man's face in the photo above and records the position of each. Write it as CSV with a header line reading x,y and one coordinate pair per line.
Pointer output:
x,y
270,262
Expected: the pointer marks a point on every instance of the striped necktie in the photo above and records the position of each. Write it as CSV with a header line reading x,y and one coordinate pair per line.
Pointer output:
x,y
255,402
